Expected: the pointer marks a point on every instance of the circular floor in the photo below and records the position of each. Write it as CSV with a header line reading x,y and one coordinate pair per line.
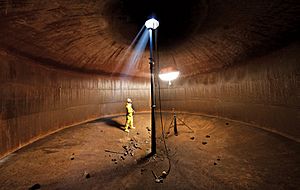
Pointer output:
x,y
208,153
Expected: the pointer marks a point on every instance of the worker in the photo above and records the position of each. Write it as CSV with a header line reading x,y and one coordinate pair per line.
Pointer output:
x,y
129,115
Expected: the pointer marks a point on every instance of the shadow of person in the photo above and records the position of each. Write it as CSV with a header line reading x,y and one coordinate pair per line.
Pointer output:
x,y
110,122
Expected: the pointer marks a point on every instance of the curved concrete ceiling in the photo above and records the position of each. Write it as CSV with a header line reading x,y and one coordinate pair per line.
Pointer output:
x,y
196,35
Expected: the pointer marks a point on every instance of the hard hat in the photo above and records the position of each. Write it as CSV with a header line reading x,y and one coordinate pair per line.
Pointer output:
x,y
129,100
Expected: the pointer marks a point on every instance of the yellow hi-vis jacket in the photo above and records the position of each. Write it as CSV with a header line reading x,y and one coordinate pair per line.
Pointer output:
x,y
129,109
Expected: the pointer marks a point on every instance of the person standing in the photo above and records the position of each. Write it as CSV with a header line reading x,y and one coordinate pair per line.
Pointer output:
x,y
129,115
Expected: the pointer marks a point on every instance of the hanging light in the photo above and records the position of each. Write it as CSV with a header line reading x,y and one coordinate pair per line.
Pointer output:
x,y
152,24
168,74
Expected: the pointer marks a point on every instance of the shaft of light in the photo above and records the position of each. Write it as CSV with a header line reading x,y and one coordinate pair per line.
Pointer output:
x,y
137,52
126,53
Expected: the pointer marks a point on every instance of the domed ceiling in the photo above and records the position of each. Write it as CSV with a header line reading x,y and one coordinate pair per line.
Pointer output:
x,y
196,36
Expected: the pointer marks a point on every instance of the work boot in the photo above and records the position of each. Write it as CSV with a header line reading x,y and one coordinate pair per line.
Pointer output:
x,y
126,130
132,127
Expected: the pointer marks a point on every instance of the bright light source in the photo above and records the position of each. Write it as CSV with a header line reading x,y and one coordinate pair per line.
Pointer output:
x,y
169,76
152,23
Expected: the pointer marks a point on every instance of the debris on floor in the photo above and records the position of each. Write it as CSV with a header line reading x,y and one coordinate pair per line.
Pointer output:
x,y
207,136
192,138
35,186
129,147
204,142
86,175
136,145
72,157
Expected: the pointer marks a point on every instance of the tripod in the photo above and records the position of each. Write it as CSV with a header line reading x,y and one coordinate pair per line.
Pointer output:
x,y
174,124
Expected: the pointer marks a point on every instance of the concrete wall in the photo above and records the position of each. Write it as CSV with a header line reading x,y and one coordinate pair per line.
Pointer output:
x,y
36,101
263,92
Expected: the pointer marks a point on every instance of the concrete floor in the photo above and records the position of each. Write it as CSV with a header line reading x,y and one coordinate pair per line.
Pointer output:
x,y
219,154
